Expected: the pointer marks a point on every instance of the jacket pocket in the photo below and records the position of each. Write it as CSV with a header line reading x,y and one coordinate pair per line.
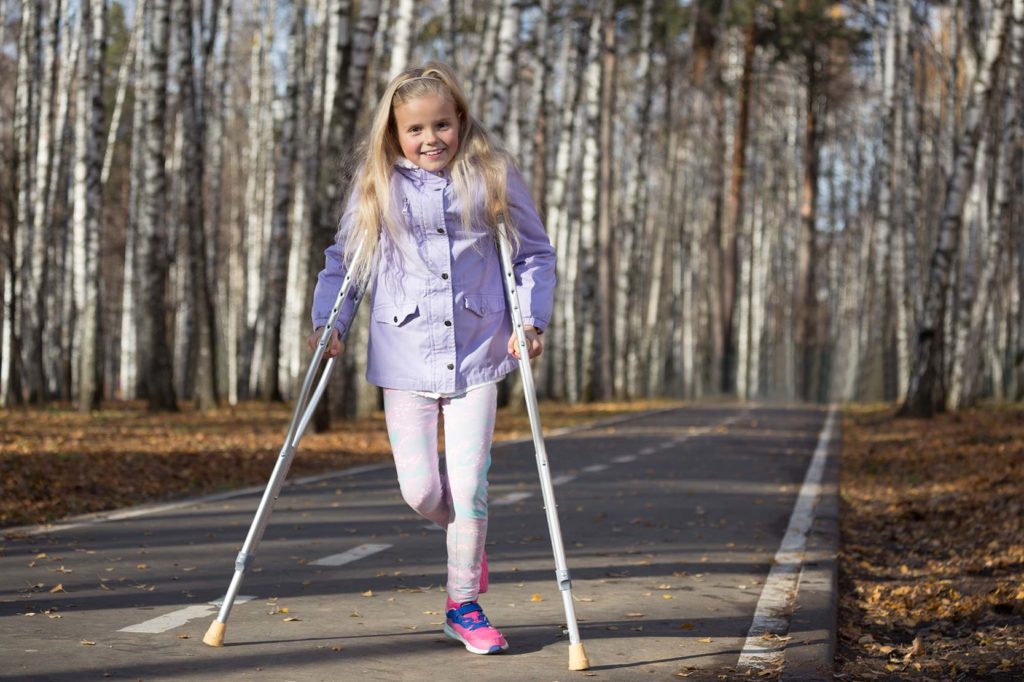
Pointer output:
x,y
485,304
397,314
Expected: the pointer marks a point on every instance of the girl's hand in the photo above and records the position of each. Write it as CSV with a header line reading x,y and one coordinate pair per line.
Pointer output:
x,y
534,343
335,346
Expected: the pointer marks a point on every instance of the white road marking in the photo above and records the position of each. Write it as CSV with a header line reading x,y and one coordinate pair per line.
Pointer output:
x,y
594,468
348,556
564,478
432,526
780,587
624,459
511,498
175,619
647,451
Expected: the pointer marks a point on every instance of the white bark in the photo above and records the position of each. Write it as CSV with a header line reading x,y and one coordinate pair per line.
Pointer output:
x,y
501,84
403,32
87,196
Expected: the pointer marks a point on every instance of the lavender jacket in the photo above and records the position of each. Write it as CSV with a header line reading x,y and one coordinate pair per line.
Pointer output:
x,y
438,318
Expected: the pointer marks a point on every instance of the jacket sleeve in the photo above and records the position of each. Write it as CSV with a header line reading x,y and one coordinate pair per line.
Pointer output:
x,y
534,261
328,282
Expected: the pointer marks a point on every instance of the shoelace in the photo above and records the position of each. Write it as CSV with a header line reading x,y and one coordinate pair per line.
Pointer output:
x,y
462,616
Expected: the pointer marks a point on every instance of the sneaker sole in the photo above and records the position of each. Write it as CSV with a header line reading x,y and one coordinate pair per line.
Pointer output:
x,y
496,649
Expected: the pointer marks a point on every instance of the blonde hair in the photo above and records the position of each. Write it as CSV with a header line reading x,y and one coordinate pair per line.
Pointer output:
x,y
480,166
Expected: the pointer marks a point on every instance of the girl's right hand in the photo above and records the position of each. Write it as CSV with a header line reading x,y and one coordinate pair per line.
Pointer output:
x,y
335,346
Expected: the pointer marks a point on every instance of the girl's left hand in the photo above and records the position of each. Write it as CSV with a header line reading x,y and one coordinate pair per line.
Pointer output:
x,y
534,343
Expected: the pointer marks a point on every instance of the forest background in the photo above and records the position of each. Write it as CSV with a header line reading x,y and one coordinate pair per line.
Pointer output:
x,y
786,199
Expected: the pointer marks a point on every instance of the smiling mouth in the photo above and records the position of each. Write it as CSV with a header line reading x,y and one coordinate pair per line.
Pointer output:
x,y
434,152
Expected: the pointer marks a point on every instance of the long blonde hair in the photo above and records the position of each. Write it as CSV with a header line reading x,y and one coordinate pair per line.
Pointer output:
x,y
481,163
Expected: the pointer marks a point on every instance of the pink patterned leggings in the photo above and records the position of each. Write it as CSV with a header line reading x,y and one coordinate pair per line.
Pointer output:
x,y
455,499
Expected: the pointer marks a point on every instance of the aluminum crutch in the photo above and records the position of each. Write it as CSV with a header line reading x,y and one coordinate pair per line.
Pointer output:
x,y
301,415
577,656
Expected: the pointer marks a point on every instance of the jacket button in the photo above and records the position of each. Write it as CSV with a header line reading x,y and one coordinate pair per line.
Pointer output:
x,y
447,323
396,318
444,275
440,230
451,366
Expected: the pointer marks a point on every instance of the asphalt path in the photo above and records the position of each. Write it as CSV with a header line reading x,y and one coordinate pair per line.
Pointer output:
x,y
672,522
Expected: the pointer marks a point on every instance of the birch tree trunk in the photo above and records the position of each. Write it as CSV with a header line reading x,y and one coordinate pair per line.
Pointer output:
x,y
204,368
967,368
133,356
268,335
216,104
584,286
32,104
573,47
926,394
502,83
152,246
604,310
88,203
400,53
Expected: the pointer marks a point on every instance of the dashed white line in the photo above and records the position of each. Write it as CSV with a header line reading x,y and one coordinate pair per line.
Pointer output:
x,y
563,478
348,556
511,498
175,619
647,451
594,468
624,459
780,587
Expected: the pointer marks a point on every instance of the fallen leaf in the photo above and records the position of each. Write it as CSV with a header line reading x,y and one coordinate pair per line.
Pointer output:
x,y
705,640
686,626
291,619
86,642
59,587
368,593
635,615
536,597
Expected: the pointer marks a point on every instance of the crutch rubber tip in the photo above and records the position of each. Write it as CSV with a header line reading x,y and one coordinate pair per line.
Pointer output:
x,y
578,657
215,635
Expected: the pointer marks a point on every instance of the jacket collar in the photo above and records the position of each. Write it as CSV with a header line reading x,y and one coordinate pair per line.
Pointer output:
x,y
420,177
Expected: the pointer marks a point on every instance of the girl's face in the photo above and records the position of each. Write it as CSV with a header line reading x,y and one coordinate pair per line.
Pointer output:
x,y
428,131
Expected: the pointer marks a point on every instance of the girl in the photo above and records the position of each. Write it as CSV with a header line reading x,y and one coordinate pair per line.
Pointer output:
x,y
425,204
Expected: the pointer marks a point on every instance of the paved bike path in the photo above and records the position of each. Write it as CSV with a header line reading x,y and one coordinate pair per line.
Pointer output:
x,y
671,523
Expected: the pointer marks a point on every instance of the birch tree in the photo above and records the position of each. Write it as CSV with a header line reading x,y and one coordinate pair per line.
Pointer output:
x,y
87,199
153,245
927,393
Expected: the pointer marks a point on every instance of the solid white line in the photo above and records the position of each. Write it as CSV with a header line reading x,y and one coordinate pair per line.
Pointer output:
x,y
594,468
564,478
624,459
348,556
774,605
511,498
175,619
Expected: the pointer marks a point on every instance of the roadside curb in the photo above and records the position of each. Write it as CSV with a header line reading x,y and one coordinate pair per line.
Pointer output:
x,y
810,654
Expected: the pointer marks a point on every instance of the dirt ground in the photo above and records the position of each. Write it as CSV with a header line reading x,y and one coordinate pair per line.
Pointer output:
x,y
931,582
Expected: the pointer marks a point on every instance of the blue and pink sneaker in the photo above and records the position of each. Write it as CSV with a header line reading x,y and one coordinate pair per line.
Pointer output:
x,y
468,624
